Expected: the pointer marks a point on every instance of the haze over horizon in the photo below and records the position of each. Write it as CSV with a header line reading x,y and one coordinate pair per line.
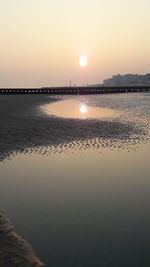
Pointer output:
x,y
43,41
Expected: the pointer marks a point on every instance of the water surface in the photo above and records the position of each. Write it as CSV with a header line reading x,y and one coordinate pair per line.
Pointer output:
x,y
86,202
77,108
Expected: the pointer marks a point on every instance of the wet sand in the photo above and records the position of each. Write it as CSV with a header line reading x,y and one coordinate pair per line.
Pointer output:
x,y
24,127
14,251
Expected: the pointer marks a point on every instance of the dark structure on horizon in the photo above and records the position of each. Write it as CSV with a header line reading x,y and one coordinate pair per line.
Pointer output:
x,y
78,90
128,80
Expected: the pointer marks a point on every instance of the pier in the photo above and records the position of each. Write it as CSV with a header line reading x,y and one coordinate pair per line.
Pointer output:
x,y
78,90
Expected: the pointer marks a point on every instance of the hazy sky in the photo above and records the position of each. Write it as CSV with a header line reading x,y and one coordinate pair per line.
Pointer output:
x,y
41,41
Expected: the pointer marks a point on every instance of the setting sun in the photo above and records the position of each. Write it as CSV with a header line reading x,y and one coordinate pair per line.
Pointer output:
x,y
83,61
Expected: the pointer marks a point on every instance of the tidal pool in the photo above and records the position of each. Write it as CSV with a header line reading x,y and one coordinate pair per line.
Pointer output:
x,y
77,108
81,204
81,209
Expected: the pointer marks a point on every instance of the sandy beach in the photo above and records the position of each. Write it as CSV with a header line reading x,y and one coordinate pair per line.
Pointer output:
x,y
24,127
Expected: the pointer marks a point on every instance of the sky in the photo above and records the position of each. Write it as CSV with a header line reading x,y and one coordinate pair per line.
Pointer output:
x,y
42,41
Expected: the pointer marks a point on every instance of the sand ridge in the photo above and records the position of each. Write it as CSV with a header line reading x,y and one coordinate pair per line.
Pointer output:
x,y
23,128
14,250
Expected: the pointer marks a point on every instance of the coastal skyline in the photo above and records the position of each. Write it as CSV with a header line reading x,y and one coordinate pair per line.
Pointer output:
x,y
46,43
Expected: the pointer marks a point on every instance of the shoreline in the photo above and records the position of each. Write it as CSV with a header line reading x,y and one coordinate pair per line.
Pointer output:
x,y
14,250
23,126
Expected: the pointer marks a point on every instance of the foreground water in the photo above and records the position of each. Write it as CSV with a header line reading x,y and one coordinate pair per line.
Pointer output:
x,y
82,205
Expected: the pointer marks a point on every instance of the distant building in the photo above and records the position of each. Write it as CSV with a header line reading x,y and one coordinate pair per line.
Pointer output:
x,y
94,85
128,79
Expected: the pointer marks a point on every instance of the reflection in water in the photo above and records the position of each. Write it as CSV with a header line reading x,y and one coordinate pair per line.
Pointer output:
x,y
81,209
87,203
116,122
75,109
83,108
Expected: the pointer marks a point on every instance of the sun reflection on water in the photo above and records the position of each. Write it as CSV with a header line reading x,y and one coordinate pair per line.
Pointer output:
x,y
83,108
73,108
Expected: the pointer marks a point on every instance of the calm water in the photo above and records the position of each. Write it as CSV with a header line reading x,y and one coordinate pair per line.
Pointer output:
x,y
77,108
90,206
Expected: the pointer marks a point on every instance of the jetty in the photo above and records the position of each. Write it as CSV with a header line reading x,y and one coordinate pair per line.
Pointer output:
x,y
77,90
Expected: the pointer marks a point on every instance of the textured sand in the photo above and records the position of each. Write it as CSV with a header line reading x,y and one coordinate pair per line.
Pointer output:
x,y
23,128
14,251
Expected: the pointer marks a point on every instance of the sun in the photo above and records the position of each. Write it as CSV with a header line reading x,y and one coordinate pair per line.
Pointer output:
x,y
83,61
